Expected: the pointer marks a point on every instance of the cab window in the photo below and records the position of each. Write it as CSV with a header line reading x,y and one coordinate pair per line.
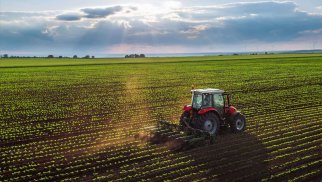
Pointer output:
x,y
218,101
206,100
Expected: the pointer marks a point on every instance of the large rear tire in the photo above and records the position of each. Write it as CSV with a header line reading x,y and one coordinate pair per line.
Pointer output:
x,y
210,123
238,123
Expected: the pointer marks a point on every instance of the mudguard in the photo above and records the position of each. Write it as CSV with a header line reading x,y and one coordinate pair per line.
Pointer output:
x,y
230,110
205,110
187,108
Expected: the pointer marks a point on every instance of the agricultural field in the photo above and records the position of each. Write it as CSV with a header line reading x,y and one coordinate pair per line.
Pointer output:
x,y
75,119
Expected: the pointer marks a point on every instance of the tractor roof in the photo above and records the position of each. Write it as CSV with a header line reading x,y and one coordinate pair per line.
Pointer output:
x,y
208,90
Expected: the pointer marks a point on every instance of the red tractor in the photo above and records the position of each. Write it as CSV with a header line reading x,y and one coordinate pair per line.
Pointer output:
x,y
210,109
200,122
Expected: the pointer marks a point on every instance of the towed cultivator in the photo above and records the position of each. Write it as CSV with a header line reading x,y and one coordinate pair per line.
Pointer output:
x,y
175,136
199,122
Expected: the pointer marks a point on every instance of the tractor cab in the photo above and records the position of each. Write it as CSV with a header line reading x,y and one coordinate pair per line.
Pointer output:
x,y
210,98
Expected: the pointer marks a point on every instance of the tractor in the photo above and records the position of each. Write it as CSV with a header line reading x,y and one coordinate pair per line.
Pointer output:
x,y
200,121
211,110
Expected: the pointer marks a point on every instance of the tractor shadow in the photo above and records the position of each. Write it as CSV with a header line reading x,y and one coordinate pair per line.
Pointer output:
x,y
233,157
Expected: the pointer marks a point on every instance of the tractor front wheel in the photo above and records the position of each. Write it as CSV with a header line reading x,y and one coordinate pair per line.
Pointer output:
x,y
238,123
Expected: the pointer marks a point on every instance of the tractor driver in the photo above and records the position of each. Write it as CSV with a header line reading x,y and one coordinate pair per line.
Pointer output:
x,y
206,100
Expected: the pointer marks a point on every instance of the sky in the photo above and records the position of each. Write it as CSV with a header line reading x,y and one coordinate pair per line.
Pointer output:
x,y
102,27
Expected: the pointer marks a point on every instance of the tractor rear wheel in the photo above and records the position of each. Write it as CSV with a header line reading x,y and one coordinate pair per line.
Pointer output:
x,y
210,123
238,123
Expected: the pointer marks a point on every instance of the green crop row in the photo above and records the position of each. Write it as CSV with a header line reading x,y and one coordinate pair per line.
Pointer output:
x,y
73,120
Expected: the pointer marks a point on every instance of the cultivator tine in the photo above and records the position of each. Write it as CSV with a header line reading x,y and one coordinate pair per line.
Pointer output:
x,y
168,125
174,136
186,137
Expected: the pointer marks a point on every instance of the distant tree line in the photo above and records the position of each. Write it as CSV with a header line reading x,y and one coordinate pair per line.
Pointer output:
x,y
135,56
92,57
256,53
74,57
49,56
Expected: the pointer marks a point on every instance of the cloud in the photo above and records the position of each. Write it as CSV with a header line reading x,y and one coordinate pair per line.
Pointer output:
x,y
20,16
229,26
264,8
69,17
91,13
21,35
101,12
